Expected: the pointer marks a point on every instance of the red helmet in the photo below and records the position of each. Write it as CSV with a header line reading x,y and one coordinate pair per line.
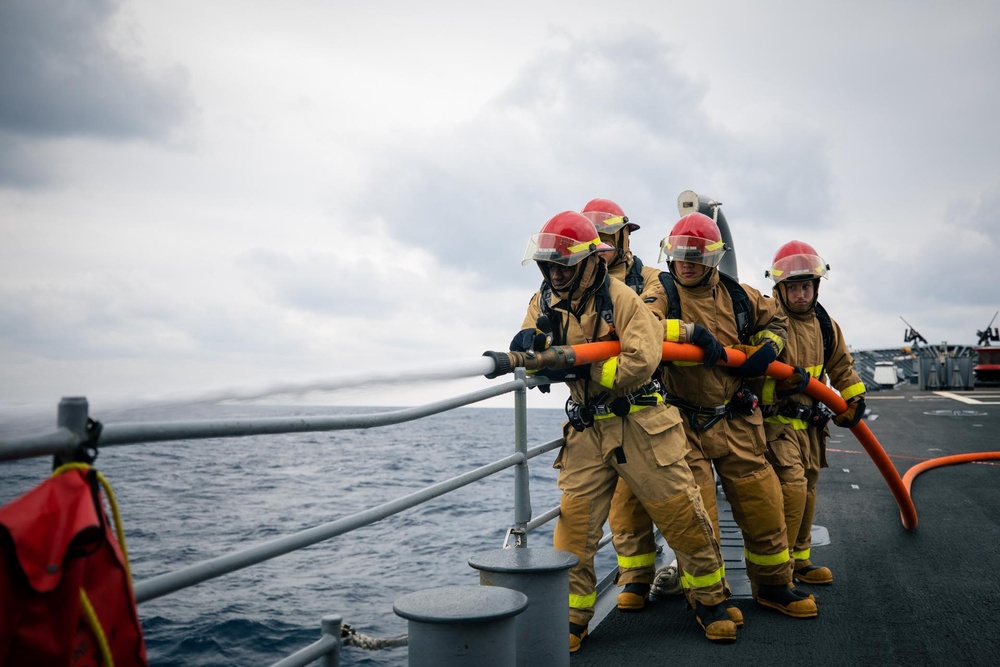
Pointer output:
x,y
607,216
695,238
797,260
568,238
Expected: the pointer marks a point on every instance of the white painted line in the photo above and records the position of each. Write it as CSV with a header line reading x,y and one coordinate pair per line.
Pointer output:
x,y
855,487
965,399
957,397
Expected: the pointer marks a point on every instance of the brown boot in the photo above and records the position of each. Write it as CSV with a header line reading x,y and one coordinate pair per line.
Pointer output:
x,y
633,597
715,621
813,574
735,615
787,602
576,634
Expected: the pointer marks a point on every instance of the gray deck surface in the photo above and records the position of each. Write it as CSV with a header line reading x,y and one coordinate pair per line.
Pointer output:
x,y
930,596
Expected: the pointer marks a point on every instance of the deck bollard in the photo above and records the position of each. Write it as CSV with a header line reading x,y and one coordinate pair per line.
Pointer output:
x,y
462,626
543,576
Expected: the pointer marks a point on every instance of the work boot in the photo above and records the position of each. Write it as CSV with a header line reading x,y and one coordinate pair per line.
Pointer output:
x,y
715,621
735,615
799,593
576,634
783,599
813,574
633,597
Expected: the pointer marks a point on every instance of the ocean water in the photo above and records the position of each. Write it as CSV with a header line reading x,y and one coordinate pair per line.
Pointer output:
x,y
187,501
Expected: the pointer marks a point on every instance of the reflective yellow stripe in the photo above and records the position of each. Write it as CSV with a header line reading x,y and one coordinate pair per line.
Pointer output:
x,y
686,363
642,560
767,392
712,247
854,390
608,371
582,601
814,371
672,331
801,555
768,335
580,247
761,559
634,408
796,424
704,581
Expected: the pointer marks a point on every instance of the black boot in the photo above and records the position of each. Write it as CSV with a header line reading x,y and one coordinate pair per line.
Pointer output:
x,y
576,634
784,599
633,597
715,621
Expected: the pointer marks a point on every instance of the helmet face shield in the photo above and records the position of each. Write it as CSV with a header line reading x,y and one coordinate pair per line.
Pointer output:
x,y
559,249
694,249
606,223
798,267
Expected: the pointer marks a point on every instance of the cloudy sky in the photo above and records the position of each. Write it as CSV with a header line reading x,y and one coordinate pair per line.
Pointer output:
x,y
203,195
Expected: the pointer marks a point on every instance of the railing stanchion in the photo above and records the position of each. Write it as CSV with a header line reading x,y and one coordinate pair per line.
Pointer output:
x,y
331,629
522,492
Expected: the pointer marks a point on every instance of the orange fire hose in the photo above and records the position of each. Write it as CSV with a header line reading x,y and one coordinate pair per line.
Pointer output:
x,y
585,353
942,461
819,391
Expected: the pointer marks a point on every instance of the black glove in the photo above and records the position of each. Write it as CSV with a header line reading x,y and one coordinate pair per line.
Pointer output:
x,y
795,383
706,341
528,339
850,417
759,357
538,340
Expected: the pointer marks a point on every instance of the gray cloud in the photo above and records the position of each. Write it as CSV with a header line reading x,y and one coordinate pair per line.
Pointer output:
x,y
584,119
60,76
321,283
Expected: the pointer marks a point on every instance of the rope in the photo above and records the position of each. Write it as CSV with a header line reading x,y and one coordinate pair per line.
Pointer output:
x,y
666,581
95,626
352,637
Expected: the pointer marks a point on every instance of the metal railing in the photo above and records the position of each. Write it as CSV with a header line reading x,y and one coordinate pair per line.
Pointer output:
x,y
76,431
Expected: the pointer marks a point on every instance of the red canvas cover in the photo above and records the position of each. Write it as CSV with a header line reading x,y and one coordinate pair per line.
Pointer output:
x,y
55,541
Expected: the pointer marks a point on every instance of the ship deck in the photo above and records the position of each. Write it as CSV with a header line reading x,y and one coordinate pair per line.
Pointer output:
x,y
927,596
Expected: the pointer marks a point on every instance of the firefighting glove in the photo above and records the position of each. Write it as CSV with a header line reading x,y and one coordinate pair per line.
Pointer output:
x,y
713,349
850,417
537,339
759,357
528,339
795,383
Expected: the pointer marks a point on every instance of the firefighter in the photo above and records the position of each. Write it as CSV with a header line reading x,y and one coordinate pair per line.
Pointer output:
x,y
618,424
631,527
723,422
796,423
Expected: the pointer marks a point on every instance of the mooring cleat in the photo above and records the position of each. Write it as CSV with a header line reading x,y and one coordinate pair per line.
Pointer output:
x,y
576,634
786,600
633,597
813,574
716,622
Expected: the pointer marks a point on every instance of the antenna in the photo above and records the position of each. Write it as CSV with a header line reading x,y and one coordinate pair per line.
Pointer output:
x,y
988,334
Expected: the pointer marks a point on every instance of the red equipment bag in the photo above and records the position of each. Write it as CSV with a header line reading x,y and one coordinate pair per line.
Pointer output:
x,y
65,587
